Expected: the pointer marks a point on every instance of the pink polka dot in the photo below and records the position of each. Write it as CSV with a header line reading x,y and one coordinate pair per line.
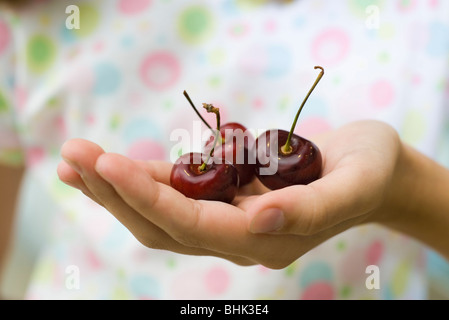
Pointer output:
x,y
416,80
434,3
34,156
330,47
61,126
217,280
270,25
319,291
133,6
99,46
4,36
381,94
160,70
262,269
21,96
146,149
258,103
374,253
353,267
91,119
93,260
211,118
312,126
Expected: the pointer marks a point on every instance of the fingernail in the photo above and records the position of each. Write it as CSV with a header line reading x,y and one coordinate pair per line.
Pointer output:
x,y
74,166
266,221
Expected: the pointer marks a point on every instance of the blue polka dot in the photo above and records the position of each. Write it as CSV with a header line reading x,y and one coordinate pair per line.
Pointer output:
x,y
141,128
315,271
144,286
67,35
117,237
316,106
107,79
127,41
438,42
230,7
299,21
279,61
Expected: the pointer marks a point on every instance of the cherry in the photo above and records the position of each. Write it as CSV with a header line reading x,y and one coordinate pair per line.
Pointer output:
x,y
200,177
235,145
284,158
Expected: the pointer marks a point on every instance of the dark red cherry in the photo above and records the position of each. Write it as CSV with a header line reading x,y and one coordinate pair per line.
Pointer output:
x,y
236,146
277,170
219,182
284,158
204,177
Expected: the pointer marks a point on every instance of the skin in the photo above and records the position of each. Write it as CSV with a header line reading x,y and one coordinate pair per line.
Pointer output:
x,y
405,192
10,180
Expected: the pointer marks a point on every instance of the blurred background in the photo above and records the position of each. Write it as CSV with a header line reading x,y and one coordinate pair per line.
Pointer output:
x,y
29,238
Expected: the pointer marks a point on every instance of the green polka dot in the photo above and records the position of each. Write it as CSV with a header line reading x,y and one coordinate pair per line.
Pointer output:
x,y
121,274
248,4
401,279
215,81
171,263
386,31
120,293
44,272
3,104
359,7
284,104
341,245
345,292
89,20
168,105
290,270
442,85
61,190
195,24
217,57
12,157
406,3
336,80
383,57
115,122
41,52
414,127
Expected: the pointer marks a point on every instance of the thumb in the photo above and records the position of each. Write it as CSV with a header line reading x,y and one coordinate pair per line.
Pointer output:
x,y
289,210
309,209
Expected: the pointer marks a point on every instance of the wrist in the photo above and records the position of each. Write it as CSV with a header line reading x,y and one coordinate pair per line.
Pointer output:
x,y
416,202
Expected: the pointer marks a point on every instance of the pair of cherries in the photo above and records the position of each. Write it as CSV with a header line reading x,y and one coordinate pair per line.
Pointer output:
x,y
233,158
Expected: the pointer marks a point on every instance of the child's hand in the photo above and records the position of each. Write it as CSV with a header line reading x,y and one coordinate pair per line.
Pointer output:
x,y
269,228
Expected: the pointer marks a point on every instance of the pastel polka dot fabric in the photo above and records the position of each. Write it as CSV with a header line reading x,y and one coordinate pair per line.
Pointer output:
x,y
118,81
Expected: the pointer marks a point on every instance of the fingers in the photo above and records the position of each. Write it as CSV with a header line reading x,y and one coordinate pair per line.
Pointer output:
x,y
82,155
192,223
70,177
83,158
158,170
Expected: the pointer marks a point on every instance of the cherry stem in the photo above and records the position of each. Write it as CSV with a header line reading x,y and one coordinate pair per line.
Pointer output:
x,y
196,110
286,148
211,109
